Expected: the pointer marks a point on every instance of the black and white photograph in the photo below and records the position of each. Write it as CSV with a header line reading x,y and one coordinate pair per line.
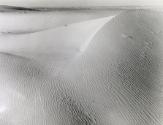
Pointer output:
x,y
81,62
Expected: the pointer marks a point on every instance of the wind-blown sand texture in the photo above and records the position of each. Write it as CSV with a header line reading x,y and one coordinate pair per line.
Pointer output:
x,y
101,68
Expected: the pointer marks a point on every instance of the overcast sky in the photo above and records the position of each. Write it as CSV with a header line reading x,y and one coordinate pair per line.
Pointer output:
x,y
53,3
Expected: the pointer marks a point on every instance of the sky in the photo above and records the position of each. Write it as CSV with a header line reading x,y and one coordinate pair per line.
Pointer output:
x,y
69,3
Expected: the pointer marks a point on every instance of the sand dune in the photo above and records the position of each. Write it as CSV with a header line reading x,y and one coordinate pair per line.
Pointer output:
x,y
114,79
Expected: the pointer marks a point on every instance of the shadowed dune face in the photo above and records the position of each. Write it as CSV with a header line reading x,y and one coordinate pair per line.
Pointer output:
x,y
123,64
116,80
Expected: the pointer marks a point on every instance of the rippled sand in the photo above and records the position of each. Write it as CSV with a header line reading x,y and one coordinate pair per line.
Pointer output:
x,y
81,68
